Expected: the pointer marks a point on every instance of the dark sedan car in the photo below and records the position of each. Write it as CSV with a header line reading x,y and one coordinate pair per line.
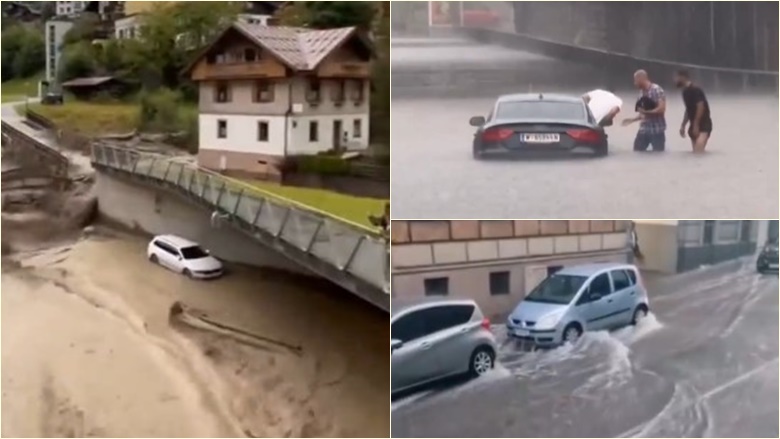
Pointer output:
x,y
538,123
767,259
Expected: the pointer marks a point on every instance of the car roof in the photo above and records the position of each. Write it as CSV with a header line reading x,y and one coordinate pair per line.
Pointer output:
x,y
401,305
591,269
548,97
176,241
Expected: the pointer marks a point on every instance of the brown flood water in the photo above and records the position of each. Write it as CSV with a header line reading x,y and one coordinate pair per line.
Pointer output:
x,y
87,350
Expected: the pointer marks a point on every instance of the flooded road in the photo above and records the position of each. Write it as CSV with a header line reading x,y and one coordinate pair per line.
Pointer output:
x,y
704,364
435,176
87,350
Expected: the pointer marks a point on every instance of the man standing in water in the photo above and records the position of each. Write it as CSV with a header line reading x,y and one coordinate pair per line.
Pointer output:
x,y
652,128
697,112
604,105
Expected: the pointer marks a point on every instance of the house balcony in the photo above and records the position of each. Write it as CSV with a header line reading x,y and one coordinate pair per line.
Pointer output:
x,y
345,70
227,71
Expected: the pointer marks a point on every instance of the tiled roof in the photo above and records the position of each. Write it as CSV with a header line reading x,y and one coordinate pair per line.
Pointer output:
x,y
300,48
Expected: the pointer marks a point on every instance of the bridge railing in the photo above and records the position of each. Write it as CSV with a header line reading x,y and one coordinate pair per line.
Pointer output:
x,y
343,246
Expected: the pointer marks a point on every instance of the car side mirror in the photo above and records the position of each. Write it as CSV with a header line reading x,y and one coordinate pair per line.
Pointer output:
x,y
477,121
395,344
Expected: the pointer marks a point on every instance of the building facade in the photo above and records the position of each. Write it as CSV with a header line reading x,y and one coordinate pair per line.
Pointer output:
x,y
69,9
269,92
678,246
55,31
495,263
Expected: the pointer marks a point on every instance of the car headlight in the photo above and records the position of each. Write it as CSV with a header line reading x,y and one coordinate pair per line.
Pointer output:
x,y
549,321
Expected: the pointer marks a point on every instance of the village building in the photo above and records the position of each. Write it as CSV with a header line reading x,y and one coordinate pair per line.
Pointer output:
x,y
496,263
268,92
674,246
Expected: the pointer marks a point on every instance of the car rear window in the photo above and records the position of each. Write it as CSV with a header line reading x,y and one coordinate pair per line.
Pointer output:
x,y
541,110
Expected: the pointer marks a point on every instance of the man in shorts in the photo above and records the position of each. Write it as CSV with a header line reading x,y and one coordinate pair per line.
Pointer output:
x,y
651,108
697,112
604,105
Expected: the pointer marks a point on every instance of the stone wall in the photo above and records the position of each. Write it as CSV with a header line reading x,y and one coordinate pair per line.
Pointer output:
x,y
156,211
467,254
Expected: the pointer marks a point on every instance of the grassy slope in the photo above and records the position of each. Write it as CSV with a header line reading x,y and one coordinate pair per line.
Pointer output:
x,y
91,118
18,89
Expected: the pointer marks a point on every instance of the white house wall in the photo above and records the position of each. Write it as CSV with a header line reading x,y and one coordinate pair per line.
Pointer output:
x,y
299,133
242,134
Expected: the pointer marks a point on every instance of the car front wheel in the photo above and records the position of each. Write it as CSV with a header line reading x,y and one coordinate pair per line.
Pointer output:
x,y
481,361
639,314
153,258
572,333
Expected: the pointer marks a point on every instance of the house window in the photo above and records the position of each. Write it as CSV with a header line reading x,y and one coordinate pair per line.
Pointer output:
x,y
121,34
357,128
313,93
314,131
131,31
553,269
357,91
690,233
262,131
222,92
221,129
263,91
437,286
499,283
728,231
339,91
250,55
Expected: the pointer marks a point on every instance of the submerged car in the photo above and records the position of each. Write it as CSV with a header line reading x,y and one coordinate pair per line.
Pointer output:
x,y
767,259
183,256
538,123
432,340
576,299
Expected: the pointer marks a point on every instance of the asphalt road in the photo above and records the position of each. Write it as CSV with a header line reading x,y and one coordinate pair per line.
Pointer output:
x,y
434,175
703,365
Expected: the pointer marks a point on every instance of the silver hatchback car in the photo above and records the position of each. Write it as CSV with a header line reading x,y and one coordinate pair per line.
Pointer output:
x,y
431,340
577,299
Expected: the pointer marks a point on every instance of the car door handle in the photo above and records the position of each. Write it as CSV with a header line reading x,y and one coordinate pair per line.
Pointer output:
x,y
425,345
633,293
609,300
463,330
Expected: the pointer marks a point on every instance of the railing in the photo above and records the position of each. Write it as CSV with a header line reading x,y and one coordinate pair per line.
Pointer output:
x,y
342,252
622,63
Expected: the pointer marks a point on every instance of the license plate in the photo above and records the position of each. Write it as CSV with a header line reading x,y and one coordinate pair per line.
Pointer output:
x,y
540,138
522,333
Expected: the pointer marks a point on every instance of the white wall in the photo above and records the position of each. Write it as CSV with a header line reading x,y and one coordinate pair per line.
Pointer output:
x,y
54,35
123,26
299,133
242,134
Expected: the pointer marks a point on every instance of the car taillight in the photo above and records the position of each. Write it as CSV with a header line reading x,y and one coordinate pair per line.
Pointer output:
x,y
586,136
486,323
496,134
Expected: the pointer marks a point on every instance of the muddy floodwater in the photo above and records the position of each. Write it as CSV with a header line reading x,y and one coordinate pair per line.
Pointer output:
x,y
88,350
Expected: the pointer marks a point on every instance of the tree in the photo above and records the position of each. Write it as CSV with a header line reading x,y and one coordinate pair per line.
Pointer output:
x,y
325,15
23,52
171,32
77,60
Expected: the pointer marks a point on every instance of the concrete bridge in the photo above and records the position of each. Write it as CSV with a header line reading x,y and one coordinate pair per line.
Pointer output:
x,y
161,195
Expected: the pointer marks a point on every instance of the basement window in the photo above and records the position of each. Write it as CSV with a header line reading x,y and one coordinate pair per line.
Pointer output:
x,y
221,129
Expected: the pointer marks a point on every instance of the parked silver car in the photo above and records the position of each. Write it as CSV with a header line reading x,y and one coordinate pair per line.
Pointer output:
x,y
577,299
431,340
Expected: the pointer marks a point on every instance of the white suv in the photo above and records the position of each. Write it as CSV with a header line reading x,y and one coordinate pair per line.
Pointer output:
x,y
183,256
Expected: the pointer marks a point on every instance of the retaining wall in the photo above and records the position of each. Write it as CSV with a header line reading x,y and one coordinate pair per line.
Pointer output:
x,y
156,211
